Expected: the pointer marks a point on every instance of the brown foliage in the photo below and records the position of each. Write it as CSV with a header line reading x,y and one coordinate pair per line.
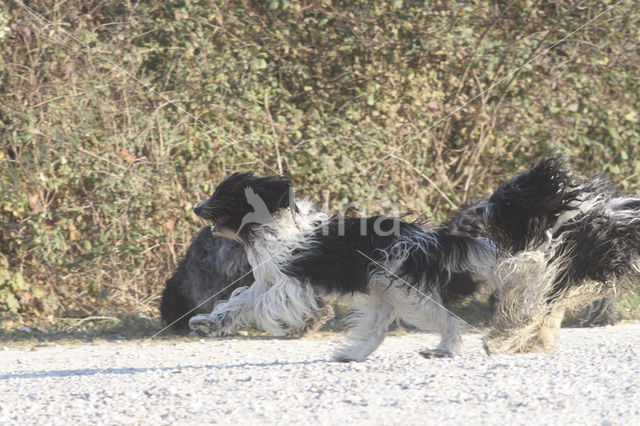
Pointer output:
x,y
99,173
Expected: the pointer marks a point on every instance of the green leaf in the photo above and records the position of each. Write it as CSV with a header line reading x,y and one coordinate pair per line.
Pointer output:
x,y
258,64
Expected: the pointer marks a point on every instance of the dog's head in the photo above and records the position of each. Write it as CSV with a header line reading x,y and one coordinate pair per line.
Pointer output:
x,y
243,201
528,204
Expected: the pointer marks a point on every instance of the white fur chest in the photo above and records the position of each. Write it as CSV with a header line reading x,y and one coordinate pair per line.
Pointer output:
x,y
273,243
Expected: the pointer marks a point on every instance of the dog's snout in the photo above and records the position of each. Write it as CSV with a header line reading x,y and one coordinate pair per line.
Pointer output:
x,y
484,212
199,209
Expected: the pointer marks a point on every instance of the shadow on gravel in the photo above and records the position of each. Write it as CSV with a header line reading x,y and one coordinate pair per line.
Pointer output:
x,y
133,370
85,330
118,330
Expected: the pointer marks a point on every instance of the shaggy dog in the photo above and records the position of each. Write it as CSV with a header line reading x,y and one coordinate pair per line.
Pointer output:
x,y
573,242
210,265
212,268
467,221
399,270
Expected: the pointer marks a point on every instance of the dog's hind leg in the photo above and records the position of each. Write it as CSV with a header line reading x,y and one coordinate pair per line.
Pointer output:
x,y
369,326
427,313
547,335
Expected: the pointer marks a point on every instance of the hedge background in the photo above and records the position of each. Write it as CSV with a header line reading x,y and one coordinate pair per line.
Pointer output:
x,y
99,174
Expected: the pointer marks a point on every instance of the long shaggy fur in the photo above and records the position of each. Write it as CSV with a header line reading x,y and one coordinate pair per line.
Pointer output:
x,y
579,244
467,221
211,270
399,270
210,264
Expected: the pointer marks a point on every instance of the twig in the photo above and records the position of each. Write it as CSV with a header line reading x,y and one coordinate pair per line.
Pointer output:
x,y
94,318
273,130
427,178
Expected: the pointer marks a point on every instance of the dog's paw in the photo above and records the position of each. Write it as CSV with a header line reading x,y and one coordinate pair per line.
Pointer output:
x,y
348,356
436,353
205,324
494,345
345,358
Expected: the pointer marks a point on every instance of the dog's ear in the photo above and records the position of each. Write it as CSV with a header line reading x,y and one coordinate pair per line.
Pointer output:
x,y
551,185
239,177
274,191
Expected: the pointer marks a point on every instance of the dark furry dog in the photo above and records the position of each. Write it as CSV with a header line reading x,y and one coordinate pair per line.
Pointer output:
x,y
210,264
298,254
573,242
213,263
467,221
210,271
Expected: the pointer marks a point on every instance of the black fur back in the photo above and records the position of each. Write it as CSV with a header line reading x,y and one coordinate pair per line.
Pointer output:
x,y
333,263
341,263
603,244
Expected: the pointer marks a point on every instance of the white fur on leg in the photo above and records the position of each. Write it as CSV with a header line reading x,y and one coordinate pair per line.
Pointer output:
x,y
428,314
229,314
278,309
369,326
285,307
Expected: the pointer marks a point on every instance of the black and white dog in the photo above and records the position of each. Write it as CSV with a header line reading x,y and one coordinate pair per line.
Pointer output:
x,y
214,266
468,221
572,242
400,270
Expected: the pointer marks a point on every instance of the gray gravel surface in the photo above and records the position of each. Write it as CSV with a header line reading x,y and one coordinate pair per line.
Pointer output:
x,y
593,377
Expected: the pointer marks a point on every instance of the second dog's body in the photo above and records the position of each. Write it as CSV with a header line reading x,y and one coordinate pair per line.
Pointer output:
x,y
467,221
211,269
572,241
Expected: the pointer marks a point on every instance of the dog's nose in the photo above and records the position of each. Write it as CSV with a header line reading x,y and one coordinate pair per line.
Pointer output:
x,y
484,210
199,209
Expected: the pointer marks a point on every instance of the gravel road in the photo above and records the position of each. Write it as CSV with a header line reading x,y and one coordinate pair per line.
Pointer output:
x,y
593,377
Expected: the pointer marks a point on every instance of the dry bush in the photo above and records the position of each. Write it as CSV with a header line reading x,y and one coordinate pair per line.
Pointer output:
x,y
99,174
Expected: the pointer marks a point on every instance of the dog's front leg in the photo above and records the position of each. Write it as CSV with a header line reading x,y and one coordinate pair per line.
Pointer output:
x,y
229,314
